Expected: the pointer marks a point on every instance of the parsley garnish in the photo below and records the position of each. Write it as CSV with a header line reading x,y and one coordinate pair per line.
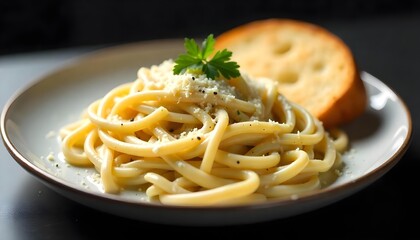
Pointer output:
x,y
195,61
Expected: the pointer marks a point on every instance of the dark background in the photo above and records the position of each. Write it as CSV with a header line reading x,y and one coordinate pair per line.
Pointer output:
x,y
379,32
30,25
383,35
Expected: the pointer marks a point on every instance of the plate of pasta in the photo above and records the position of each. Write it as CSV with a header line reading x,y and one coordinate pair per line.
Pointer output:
x,y
117,131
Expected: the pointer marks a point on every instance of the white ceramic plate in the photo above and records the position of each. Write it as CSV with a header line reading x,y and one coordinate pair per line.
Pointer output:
x,y
32,117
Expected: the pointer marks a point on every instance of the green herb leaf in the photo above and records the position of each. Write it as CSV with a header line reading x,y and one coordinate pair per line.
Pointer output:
x,y
208,46
221,62
195,61
192,47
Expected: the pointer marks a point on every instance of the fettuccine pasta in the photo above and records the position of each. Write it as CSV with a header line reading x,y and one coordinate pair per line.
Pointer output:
x,y
189,140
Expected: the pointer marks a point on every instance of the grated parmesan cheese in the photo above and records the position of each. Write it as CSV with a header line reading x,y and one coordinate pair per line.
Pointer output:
x,y
50,156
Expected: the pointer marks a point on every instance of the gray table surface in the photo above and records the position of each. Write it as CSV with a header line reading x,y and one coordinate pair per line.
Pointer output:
x,y
386,47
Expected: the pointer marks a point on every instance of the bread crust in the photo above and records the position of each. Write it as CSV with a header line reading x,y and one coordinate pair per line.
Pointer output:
x,y
312,66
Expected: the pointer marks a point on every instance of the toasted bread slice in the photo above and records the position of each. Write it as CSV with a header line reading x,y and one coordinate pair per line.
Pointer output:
x,y
312,66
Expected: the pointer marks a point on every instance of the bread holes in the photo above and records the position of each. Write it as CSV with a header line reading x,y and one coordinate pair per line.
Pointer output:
x,y
288,76
318,66
283,48
249,40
